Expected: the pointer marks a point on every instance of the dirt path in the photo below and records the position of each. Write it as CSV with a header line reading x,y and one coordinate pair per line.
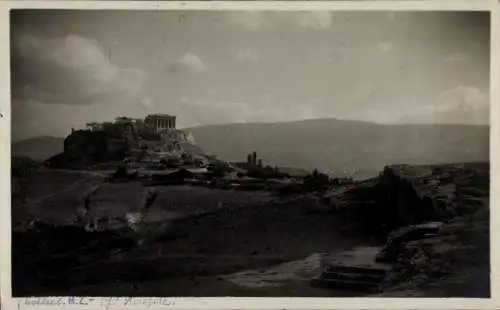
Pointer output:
x,y
64,190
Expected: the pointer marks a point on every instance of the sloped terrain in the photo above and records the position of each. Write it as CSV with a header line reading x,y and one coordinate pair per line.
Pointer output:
x,y
345,147
452,262
193,239
38,148
187,251
327,144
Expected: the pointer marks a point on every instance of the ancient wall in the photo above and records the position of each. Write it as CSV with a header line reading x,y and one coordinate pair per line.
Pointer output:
x,y
172,138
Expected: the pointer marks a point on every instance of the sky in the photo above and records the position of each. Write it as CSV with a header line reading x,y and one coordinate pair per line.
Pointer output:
x,y
216,67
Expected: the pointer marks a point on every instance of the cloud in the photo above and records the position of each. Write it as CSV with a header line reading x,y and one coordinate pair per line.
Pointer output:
x,y
71,70
34,118
248,56
146,103
189,62
257,20
456,58
211,92
251,20
385,46
460,105
316,20
202,111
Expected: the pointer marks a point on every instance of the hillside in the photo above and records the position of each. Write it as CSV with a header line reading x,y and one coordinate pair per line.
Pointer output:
x,y
39,148
338,146
351,147
208,242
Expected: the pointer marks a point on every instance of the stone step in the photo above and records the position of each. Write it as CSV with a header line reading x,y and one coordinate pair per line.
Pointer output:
x,y
358,270
372,278
359,286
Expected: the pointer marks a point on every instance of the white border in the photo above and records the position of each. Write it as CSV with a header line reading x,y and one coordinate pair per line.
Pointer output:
x,y
360,5
261,303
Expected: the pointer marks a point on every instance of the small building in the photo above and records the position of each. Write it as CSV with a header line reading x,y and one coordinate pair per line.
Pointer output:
x,y
122,120
93,126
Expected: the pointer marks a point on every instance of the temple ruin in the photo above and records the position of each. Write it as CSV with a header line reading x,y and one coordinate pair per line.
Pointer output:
x,y
160,121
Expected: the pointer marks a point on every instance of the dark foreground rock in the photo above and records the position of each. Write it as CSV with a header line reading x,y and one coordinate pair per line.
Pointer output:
x,y
450,258
435,220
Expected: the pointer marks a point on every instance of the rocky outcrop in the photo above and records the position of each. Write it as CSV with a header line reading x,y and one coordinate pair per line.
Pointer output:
x,y
398,238
363,208
435,220
445,258
407,195
424,193
453,263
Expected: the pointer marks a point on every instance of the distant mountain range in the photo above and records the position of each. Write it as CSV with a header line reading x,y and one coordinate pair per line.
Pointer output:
x,y
38,148
345,147
336,146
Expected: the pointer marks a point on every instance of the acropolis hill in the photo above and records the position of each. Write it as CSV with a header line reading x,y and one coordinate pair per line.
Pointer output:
x,y
124,137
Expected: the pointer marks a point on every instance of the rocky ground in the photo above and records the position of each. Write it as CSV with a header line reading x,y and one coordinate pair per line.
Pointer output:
x,y
456,261
225,231
195,237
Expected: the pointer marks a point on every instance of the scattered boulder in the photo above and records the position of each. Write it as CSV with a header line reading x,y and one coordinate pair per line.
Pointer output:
x,y
398,238
313,203
441,258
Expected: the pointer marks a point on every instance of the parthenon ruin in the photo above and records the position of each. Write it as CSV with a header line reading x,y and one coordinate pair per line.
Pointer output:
x,y
160,121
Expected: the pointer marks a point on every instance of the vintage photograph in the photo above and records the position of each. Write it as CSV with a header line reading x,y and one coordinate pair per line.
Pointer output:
x,y
250,153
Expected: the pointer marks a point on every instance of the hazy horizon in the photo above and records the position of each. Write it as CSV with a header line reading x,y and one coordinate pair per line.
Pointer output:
x,y
207,67
277,122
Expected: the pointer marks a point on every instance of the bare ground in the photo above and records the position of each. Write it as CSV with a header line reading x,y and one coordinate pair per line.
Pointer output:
x,y
225,232
245,232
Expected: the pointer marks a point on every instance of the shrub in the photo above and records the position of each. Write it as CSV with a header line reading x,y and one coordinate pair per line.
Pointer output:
x,y
267,172
218,168
316,181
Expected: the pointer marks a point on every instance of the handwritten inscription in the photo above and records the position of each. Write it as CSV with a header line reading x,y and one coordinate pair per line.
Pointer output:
x,y
105,302
54,301
142,302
